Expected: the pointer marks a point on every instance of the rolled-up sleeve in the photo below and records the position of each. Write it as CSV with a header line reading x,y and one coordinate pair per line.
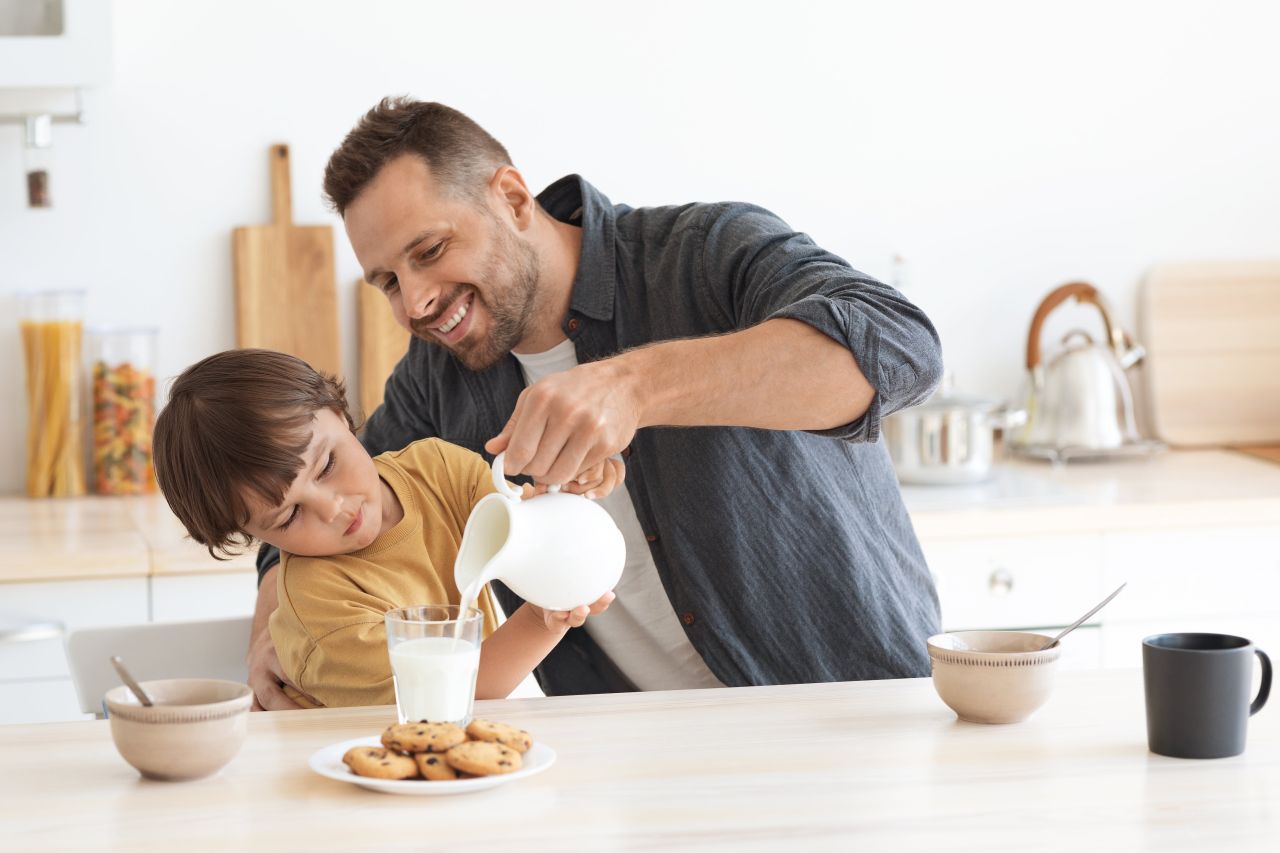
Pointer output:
x,y
761,270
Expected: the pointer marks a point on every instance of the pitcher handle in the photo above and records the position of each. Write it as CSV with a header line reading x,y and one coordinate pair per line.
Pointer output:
x,y
500,480
1264,689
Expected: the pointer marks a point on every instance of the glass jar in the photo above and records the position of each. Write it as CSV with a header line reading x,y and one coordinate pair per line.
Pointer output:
x,y
123,370
52,329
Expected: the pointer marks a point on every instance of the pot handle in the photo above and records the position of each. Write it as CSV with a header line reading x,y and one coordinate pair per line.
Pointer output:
x,y
504,487
1083,292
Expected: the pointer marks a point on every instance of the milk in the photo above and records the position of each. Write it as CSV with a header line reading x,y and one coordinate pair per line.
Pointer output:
x,y
435,678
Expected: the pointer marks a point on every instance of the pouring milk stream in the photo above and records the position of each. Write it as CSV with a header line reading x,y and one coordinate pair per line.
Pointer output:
x,y
555,550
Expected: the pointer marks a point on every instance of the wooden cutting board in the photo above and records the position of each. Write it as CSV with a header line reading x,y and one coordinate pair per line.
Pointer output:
x,y
1212,333
285,294
382,342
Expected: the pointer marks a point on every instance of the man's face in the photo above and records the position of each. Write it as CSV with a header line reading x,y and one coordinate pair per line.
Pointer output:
x,y
334,504
455,272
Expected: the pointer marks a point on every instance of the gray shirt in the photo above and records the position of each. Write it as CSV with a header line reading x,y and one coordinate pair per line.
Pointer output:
x,y
788,556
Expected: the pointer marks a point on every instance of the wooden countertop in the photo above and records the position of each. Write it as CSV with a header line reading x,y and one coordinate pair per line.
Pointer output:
x,y
93,537
867,766
99,537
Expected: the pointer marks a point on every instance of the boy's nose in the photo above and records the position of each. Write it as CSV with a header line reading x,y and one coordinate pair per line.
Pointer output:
x,y
335,508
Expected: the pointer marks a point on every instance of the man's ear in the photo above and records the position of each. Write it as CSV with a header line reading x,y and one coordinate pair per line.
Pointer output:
x,y
512,196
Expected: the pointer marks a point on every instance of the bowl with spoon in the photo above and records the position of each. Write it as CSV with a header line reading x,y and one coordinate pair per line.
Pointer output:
x,y
174,729
998,676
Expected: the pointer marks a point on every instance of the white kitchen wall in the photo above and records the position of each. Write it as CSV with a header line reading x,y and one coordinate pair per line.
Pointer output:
x,y
1002,148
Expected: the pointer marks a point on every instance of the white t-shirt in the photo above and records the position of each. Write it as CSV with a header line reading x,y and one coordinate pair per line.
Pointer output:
x,y
640,631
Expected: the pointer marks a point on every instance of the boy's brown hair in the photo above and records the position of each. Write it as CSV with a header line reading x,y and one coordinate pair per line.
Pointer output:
x,y
461,155
237,423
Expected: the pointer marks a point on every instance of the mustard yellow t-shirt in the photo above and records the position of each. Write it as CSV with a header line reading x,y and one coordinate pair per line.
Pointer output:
x,y
328,628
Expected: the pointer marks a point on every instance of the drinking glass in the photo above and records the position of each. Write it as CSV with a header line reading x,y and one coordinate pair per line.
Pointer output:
x,y
435,658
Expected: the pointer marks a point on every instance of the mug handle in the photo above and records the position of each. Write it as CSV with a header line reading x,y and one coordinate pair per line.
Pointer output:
x,y
504,487
1264,689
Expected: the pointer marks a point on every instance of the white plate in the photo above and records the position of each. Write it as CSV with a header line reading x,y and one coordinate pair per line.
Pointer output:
x,y
328,762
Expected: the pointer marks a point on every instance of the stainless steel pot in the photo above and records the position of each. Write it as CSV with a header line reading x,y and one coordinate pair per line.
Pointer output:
x,y
946,440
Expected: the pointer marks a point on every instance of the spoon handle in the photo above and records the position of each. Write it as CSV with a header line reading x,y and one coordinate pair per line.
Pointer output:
x,y
128,680
1076,624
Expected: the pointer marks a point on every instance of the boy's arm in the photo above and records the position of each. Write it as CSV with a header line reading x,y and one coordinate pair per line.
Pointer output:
x,y
520,644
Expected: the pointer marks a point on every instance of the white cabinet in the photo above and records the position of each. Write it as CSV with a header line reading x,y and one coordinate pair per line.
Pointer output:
x,y
214,596
1214,578
72,49
35,680
1015,582
1223,580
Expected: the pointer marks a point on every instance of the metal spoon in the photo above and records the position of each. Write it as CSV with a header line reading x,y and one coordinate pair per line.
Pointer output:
x,y
128,680
1076,624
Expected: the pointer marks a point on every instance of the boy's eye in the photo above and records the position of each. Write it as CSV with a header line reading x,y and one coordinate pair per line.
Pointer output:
x,y
328,466
289,520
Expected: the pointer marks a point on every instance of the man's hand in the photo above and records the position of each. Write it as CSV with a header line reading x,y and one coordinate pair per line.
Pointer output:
x,y
567,424
559,621
266,677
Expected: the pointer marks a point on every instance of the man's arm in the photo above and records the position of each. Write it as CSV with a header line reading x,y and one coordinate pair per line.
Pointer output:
x,y
266,677
820,348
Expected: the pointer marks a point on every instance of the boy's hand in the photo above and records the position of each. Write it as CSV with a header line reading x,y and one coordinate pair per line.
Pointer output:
x,y
559,621
598,480
594,483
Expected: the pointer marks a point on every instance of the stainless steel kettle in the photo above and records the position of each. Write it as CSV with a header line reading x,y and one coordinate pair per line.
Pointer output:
x,y
1081,399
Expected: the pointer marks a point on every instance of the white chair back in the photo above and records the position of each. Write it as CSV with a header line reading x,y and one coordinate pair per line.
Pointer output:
x,y
213,648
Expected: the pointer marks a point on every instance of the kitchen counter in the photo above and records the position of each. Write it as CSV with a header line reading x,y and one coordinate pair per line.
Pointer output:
x,y
868,766
97,537
1169,490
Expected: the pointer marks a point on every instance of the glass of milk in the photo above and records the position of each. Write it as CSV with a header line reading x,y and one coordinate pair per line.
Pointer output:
x,y
435,656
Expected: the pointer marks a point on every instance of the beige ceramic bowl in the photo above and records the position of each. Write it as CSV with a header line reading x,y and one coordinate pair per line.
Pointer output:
x,y
993,676
194,728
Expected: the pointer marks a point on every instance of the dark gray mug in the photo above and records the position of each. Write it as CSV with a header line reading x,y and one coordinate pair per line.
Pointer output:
x,y
1197,688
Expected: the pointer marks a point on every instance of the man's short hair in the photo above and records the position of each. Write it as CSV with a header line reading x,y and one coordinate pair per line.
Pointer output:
x,y
461,155
237,423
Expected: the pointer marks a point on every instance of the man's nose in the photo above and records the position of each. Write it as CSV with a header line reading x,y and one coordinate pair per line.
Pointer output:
x,y
419,296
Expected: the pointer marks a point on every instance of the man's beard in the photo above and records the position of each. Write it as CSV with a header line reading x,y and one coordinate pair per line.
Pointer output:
x,y
510,303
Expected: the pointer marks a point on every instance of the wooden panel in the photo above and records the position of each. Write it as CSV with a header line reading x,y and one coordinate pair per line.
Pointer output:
x,y
285,293
1212,332
383,342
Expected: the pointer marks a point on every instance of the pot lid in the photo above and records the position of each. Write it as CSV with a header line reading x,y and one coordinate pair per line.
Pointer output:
x,y
949,401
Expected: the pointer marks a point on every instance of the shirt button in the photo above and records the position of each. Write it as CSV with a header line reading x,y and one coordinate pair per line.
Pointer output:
x,y
687,617
573,324
652,537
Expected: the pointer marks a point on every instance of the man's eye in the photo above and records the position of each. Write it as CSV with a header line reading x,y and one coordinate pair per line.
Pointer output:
x,y
328,466
390,285
289,520
432,253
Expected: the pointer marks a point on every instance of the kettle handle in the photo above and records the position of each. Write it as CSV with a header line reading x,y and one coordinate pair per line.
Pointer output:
x,y
500,479
1083,292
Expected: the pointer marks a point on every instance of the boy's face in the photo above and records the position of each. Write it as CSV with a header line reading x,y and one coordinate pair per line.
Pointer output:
x,y
333,506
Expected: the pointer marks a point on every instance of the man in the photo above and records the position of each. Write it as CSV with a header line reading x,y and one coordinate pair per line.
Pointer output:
x,y
740,370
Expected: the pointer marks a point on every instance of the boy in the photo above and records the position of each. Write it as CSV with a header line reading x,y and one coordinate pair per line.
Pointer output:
x,y
255,444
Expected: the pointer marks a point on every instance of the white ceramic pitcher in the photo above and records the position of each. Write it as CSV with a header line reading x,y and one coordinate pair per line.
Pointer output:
x,y
555,550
